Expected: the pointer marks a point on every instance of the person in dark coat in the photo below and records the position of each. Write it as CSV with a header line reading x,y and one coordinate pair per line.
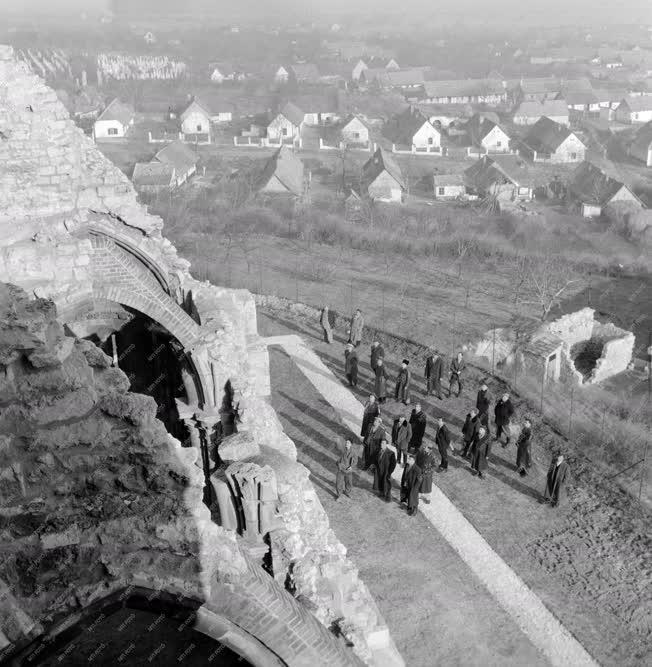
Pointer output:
x,y
346,462
523,452
401,434
371,411
372,442
558,475
418,424
482,403
443,441
432,374
380,384
377,352
327,321
480,450
425,459
469,430
503,413
351,365
356,327
383,469
457,368
411,485
402,391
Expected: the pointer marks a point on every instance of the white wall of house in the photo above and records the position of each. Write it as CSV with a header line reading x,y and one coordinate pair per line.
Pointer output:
x,y
355,132
109,129
625,115
282,128
625,194
427,136
311,118
282,75
222,117
360,67
385,188
447,192
196,122
496,141
531,120
571,150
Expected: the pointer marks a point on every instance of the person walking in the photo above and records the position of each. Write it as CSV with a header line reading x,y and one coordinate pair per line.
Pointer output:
x,y
356,328
377,352
523,451
411,485
371,411
383,469
327,320
380,383
418,424
443,442
346,462
503,413
480,451
372,442
482,403
351,365
401,434
469,430
457,367
432,374
558,475
402,390
425,459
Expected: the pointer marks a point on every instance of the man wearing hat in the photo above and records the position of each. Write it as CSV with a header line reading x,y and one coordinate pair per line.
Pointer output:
x,y
377,352
558,475
351,364
402,391
433,374
482,403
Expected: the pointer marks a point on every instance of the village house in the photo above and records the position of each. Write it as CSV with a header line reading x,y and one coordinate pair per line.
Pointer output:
x,y
528,113
641,146
181,158
358,69
382,178
283,174
281,75
486,135
287,124
222,72
355,132
635,109
413,130
593,188
304,73
197,117
464,91
153,177
504,177
318,109
548,141
447,187
582,101
403,78
539,90
114,122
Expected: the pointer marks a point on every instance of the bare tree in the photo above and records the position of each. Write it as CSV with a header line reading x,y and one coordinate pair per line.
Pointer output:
x,y
544,281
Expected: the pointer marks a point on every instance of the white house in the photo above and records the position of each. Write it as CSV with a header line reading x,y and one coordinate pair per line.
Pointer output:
x,y
382,178
635,109
413,130
281,75
222,72
198,116
552,142
181,158
487,135
358,68
355,131
287,124
114,122
528,113
641,146
448,186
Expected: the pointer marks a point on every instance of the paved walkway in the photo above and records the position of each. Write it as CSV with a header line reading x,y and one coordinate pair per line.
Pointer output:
x,y
544,631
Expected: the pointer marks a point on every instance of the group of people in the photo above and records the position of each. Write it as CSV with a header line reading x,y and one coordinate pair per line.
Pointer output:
x,y
408,430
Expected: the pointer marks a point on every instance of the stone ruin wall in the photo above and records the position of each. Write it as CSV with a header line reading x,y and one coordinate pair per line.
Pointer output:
x,y
57,194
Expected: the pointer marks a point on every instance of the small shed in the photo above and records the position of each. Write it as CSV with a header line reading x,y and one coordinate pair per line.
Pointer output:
x,y
447,187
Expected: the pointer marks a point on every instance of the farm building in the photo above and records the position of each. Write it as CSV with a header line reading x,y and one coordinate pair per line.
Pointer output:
x,y
505,177
283,174
153,177
114,122
197,117
537,89
635,109
412,129
355,131
447,187
287,124
383,179
181,157
528,113
464,91
641,146
487,135
552,142
592,188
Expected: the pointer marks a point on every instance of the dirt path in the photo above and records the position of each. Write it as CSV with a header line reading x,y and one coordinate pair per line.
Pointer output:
x,y
589,561
525,608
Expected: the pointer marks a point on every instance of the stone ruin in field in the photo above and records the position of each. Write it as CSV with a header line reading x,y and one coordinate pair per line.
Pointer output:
x,y
120,376
574,348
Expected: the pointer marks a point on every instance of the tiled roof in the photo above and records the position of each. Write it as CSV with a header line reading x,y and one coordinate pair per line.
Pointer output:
x,y
546,108
463,88
180,156
119,111
546,136
153,173
382,161
293,113
287,168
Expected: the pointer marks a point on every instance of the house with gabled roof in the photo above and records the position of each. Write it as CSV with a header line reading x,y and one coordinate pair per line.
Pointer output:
x,y
358,69
447,187
487,135
354,131
538,89
552,142
382,178
282,174
413,130
318,108
153,177
305,73
287,124
505,177
641,146
281,75
635,109
114,122
528,113
181,157
593,187
197,117
221,72
464,91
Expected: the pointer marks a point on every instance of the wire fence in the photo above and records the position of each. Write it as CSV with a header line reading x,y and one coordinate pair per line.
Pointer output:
x,y
447,312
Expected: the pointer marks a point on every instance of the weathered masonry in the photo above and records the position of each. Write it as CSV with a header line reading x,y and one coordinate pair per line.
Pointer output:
x,y
116,492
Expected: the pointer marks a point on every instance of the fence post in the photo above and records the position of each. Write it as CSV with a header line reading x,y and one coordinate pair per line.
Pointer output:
x,y
570,415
